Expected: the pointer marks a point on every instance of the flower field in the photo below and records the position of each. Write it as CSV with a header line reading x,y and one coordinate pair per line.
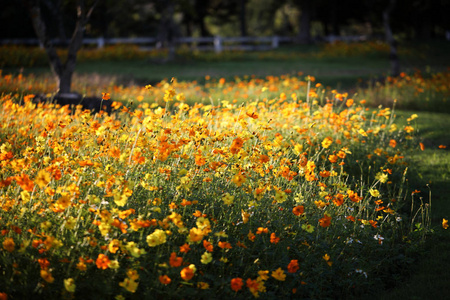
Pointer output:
x,y
271,188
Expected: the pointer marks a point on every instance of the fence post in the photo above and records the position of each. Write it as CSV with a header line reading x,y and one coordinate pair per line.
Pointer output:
x,y
217,44
275,42
100,42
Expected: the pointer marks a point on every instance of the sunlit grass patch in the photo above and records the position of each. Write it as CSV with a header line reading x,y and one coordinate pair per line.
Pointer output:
x,y
418,91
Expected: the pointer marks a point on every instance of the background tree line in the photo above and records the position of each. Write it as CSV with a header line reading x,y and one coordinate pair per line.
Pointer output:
x,y
305,19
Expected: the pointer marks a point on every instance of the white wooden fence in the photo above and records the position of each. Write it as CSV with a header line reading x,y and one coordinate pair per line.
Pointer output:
x,y
216,43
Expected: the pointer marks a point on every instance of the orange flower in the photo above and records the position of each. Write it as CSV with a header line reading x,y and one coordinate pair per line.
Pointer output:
x,y
325,173
105,96
298,210
44,263
293,266
236,284
325,221
25,182
338,199
252,115
333,158
187,273
164,279
393,143
253,286
174,260
422,146
9,245
208,246
273,238
224,245
236,145
102,261
185,248
261,230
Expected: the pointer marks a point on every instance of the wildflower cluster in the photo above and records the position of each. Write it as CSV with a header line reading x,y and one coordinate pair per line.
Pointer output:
x,y
277,196
418,91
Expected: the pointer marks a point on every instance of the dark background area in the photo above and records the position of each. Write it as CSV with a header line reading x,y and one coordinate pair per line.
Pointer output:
x,y
307,20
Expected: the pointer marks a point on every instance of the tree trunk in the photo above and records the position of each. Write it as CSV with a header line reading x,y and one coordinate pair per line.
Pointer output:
x,y
200,14
393,56
168,31
243,18
304,35
62,71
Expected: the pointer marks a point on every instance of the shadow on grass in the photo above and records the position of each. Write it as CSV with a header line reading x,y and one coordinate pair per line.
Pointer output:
x,y
429,277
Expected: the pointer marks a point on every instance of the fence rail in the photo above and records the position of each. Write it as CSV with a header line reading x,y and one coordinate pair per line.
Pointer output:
x,y
216,43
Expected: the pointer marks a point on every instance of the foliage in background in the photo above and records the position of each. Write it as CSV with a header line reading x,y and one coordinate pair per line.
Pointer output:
x,y
25,57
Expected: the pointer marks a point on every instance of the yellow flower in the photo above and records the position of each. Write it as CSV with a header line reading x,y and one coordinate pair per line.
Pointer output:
x,y
263,275
158,237
206,258
280,196
26,197
239,179
278,274
114,264
63,202
195,234
169,94
444,223
134,250
69,285
326,257
308,228
120,199
374,192
46,225
228,199
114,245
47,276
382,177
42,178
203,285
245,216
129,284
104,228
204,224
132,274
70,223
327,142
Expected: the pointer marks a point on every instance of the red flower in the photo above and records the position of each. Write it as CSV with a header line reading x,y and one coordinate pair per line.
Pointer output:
x,y
236,284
